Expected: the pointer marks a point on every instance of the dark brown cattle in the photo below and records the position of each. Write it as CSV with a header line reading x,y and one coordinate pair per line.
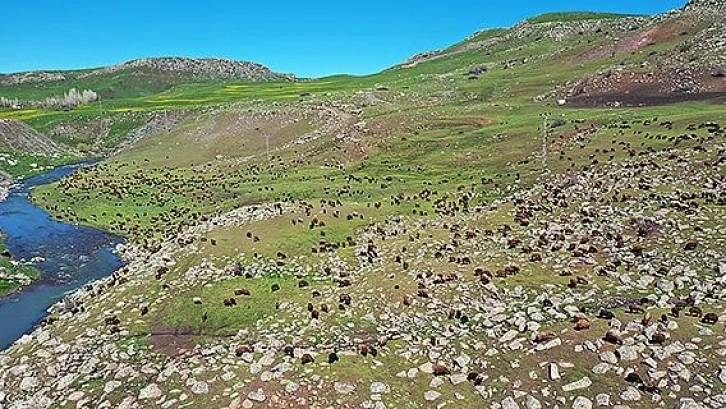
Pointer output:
x,y
441,370
243,349
613,338
242,291
307,359
582,324
711,318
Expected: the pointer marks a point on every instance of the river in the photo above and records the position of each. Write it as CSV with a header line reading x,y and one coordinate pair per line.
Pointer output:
x,y
72,256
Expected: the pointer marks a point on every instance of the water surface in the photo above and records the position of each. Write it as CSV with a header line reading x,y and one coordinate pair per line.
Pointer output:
x,y
72,256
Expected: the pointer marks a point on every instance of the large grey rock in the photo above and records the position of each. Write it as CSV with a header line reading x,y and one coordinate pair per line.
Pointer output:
x,y
431,395
509,403
688,403
151,391
257,396
631,394
379,388
582,402
530,402
577,385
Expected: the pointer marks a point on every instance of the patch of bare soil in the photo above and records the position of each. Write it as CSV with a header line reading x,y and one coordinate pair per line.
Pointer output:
x,y
649,89
170,341
665,33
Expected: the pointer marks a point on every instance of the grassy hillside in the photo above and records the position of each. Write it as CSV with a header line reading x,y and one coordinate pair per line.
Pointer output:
x,y
394,238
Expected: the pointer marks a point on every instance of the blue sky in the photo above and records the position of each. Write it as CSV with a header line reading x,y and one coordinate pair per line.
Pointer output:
x,y
310,38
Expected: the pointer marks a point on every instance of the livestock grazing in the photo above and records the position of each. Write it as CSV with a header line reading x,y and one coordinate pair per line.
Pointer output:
x,y
658,338
636,309
307,359
647,319
582,324
691,245
695,312
333,358
606,314
243,349
441,370
612,337
242,291
345,299
633,377
363,350
229,302
542,337
711,318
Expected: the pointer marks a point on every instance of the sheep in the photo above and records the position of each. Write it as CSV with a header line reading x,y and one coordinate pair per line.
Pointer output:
x,y
658,338
582,324
711,318
542,337
612,337
633,377
333,358
243,349
695,312
441,370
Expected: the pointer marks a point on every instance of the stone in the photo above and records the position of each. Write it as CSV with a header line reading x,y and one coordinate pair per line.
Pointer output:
x,y
509,403
582,402
554,371
343,388
29,384
379,388
111,386
530,402
200,388
257,396
628,353
151,391
631,394
577,385
431,395
722,375
602,399
688,403
609,357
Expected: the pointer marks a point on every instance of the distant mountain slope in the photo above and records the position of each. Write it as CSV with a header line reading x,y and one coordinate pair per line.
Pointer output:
x,y
140,77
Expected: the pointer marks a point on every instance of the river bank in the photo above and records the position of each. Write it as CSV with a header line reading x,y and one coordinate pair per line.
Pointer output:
x,y
66,256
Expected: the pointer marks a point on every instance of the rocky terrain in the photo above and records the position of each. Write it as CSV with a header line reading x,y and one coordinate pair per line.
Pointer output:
x,y
417,239
16,136
200,69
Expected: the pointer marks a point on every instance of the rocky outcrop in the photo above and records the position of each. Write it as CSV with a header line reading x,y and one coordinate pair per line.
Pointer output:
x,y
198,69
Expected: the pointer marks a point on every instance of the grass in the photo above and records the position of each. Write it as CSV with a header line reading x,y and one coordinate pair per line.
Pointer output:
x,y
21,165
433,135
12,275
568,17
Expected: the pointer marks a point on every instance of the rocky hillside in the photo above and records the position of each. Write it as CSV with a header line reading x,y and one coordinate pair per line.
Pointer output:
x,y
199,69
142,77
414,239
18,137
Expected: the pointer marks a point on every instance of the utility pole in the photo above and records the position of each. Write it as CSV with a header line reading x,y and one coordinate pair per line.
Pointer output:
x,y
267,146
545,137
